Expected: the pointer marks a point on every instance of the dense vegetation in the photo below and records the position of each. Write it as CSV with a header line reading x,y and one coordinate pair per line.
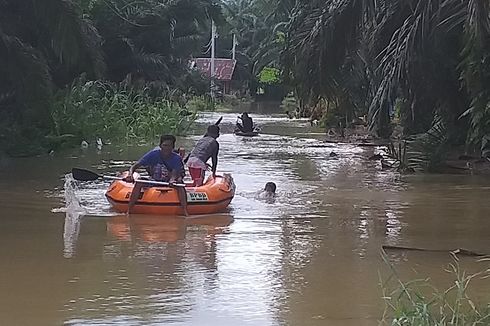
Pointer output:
x,y
76,70
133,57
430,57
418,302
423,63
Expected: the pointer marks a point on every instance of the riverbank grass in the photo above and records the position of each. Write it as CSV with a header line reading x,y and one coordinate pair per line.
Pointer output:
x,y
95,109
417,302
89,110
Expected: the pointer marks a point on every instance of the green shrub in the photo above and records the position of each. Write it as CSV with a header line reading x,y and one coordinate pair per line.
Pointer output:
x,y
88,110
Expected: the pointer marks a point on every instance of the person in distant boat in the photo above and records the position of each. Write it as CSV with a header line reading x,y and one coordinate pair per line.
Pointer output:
x,y
247,124
162,164
207,147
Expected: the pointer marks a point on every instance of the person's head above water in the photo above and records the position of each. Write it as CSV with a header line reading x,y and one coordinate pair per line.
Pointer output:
x,y
270,187
213,131
245,114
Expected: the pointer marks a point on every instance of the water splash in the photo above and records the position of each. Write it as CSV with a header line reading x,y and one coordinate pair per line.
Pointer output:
x,y
72,203
74,212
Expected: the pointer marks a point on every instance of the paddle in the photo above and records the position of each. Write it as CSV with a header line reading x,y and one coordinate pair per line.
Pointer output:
x,y
87,175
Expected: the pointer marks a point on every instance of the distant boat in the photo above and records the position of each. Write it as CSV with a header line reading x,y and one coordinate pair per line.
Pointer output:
x,y
253,133
247,134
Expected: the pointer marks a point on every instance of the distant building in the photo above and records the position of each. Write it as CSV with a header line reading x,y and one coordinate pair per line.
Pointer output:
x,y
223,70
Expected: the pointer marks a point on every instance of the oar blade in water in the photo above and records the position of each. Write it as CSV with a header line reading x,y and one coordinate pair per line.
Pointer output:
x,y
84,175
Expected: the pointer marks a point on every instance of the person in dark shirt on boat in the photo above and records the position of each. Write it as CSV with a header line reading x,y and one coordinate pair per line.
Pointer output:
x,y
162,164
207,147
247,124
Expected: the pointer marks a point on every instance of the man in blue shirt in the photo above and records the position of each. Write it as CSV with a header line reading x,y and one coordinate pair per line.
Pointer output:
x,y
162,164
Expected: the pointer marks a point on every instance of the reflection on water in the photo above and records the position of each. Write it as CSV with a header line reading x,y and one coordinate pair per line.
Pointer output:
x,y
310,257
169,229
71,232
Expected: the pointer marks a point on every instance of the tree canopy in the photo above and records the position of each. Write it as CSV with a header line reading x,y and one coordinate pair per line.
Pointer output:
x,y
427,59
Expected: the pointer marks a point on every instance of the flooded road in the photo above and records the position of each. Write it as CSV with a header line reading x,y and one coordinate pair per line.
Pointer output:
x,y
312,257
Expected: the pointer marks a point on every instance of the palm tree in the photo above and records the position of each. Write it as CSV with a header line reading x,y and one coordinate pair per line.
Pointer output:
x,y
277,14
153,40
43,44
242,21
418,50
260,28
323,56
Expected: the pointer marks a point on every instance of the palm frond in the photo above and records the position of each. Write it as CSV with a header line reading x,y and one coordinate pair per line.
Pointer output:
x,y
29,89
72,37
475,72
427,151
322,35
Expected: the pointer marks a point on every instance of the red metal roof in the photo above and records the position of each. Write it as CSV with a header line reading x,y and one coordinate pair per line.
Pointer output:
x,y
223,68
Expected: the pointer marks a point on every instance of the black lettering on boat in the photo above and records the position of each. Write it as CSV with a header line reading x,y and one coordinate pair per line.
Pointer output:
x,y
128,194
197,196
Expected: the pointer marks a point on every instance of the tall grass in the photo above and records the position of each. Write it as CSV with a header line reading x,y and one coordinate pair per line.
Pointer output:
x,y
93,109
419,303
201,103
224,103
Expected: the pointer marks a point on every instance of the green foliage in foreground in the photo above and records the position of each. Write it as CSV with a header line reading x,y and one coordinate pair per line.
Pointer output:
x,y
95,109
419,303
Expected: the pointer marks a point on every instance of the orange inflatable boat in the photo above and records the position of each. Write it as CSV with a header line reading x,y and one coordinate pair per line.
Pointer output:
x,y
212,197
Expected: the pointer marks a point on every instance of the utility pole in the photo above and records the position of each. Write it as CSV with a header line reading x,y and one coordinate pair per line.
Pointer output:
x,y
213,35
234,47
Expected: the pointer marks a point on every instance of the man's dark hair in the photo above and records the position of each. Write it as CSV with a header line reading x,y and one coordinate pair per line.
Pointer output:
x,y
168,137
213,130
270,186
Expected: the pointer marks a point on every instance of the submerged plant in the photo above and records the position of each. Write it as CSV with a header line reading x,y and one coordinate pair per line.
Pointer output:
x,y
421,152
398,152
